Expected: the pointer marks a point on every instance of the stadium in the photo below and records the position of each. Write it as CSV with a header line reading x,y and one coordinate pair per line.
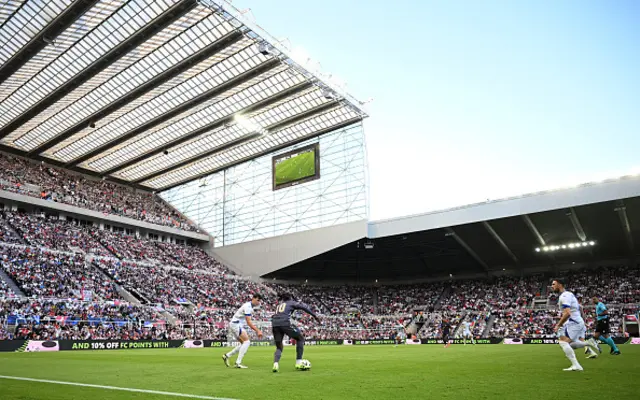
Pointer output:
x,y
163,161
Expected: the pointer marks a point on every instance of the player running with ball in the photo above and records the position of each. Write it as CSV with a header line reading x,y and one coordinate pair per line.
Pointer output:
x,y
571,329
281,325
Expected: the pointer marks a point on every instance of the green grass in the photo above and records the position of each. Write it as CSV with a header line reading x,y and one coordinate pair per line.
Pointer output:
x,y
295,168
339,372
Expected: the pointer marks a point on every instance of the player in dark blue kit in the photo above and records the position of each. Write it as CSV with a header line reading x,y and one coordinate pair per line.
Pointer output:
x,y
446,331
281,325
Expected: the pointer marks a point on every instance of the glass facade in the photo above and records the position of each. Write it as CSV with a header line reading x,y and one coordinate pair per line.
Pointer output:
x,y
239,204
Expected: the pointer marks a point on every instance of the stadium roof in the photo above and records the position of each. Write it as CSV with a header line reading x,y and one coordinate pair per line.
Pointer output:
x,y
154,93
553,228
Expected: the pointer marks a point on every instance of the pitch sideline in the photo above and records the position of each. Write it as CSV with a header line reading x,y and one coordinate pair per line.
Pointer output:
x,y
191,396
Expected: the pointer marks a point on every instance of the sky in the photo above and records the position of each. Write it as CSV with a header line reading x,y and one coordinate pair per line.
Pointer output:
x,y
477,100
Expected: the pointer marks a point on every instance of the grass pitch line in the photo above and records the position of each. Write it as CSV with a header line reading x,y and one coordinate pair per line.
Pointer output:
x,y
191,396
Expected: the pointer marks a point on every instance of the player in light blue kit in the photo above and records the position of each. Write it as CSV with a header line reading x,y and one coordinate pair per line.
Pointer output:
x,y
602,326
571,328
466,333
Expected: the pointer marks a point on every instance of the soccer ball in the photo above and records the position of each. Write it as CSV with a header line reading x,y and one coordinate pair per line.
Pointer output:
x,y
305,364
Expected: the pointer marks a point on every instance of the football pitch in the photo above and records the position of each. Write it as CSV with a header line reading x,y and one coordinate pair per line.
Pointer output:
x,y
296,168
339,372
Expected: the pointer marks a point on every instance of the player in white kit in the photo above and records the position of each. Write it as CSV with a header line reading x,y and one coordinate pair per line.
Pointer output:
x,y
238,329
466,333
401,335
571,329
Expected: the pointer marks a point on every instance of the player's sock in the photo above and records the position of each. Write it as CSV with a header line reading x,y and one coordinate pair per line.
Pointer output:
x,y
243,350
610,342
577,344
277,355
299,349
234,351
571,355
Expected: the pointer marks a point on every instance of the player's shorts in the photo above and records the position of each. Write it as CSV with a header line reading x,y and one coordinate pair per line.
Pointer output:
x,y
573,331
466,333
602,326
401,336
280,331
236,330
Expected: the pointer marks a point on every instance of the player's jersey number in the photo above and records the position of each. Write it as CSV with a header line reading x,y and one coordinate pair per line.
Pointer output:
x,y
281,307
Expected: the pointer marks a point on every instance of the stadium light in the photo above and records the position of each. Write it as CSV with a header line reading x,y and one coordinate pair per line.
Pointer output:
x,y
265,49
249,125
570,246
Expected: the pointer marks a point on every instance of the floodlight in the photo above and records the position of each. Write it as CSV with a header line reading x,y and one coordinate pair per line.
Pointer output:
x,y
329,94
592,243
265,49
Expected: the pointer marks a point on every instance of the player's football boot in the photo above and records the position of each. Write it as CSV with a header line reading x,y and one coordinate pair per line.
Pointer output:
x,y
240,366
593,348
225,358
573,369
615,353
593,342
276,367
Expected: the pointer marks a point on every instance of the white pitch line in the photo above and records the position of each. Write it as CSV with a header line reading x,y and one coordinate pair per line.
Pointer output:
x,y
192,396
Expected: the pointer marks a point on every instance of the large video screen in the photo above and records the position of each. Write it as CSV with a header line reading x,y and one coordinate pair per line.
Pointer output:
x,y
296,167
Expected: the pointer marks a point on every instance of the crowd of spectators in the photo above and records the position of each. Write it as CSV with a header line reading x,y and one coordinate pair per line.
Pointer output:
x,y
433,327
49,183
192,257
520,323
52,233
403,299
340,299
201,296
613,285
5,290
502,293
8,233
129,247
73,319
381,326
46,274
170,286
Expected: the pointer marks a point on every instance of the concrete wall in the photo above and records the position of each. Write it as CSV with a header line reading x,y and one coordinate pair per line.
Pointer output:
x,y
527,204
9,198
260,257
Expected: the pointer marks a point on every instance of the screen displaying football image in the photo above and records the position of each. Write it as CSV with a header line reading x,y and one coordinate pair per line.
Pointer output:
x,y
295,167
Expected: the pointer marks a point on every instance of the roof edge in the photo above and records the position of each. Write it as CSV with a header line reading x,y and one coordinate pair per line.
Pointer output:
x,y
530,203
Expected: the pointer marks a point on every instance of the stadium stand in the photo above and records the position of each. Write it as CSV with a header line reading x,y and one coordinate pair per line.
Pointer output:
x,y
54,184
71,273
39,230
44,274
